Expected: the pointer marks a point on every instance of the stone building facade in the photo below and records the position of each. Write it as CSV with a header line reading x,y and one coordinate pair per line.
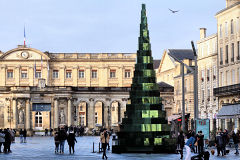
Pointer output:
x,y
169,72
207,77
228,24
41,90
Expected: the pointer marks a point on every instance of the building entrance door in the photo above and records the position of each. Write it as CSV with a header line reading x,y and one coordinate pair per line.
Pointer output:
x,y
38,121
42,110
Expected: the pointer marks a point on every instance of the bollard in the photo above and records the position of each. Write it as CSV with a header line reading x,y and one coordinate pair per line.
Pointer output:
x,y
93,148
99,148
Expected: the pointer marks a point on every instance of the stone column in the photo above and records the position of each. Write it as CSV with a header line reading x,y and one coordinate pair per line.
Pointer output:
x,y
75,76
107,116
28,115
3,75
236,123
56,113
77,114
69,111
17,75
123,108
15,114
226,124
62,75
91,113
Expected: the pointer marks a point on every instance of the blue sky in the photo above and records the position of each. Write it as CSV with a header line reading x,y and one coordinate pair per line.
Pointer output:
x,y
104,26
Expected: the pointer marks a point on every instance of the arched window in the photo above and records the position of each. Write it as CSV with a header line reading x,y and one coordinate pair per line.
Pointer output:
x,y
38,120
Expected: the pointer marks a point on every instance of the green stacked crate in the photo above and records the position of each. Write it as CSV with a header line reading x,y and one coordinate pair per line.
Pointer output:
x,y
145,128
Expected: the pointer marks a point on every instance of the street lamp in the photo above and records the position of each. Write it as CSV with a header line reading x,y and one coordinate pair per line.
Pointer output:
x,y
195,85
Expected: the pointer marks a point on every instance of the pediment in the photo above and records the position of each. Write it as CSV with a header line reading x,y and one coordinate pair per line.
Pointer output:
x,y
166,63
24,54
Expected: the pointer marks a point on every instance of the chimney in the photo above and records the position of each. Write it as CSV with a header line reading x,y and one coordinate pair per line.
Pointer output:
x,y
203,33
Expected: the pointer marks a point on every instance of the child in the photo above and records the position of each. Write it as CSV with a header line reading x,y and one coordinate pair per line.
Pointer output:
x,y
56,139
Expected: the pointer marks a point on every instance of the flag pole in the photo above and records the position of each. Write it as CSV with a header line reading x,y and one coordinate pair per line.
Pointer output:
x,y
24,37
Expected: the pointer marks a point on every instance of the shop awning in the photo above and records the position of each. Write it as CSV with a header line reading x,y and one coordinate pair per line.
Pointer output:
x,y
229,111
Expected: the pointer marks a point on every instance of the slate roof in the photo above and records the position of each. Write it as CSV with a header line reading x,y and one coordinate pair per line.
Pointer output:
x,y
156,63
229,111
182,54
165,85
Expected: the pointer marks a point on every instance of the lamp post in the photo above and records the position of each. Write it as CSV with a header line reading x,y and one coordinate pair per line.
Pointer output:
x,y
195,72
195,83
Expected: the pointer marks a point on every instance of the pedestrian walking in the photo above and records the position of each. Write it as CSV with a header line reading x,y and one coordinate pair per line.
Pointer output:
x,y
12,132
62,138
200,142
21,135
225,139
51,130
2,139
189,144
104,138
180,142
219,143
46,132
71,139
235,140
25,135
57,141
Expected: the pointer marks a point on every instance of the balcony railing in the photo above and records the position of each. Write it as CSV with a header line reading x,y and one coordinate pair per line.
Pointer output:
x,y
227,90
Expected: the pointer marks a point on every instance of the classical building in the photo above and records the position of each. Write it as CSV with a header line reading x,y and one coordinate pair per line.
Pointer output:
x,y
167,96
169,72
41,90
207,77
228,24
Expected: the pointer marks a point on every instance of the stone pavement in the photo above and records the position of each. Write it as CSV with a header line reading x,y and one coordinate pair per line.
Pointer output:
x,y
42,148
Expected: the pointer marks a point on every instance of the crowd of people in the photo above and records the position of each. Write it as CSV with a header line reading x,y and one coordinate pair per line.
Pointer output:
x,y
63,134
7,137
195,143
69,134
223,138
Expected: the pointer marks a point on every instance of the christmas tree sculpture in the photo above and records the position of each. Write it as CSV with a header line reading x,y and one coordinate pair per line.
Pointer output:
x,y
144,128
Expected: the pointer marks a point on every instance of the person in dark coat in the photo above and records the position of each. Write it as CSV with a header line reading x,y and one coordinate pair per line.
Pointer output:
x,y
2,139
219,143
46,132
180,142
57,141
225,140
62,137
71,139
51,130
200,140
25,135
8,140
21,135
235,140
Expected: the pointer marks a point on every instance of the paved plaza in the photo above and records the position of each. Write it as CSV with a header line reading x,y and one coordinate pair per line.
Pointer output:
x,y
42,148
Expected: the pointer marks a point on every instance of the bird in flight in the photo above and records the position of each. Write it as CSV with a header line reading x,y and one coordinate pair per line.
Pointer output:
x,y
173,11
